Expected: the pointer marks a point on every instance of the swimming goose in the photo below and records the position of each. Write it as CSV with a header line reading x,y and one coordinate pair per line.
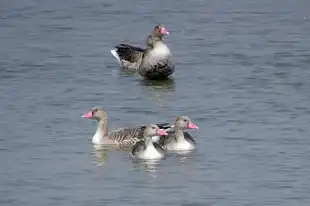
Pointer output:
x,y
154,62
122,136
146,148
177,139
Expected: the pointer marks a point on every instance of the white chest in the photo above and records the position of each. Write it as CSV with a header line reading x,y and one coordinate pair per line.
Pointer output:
x,y
160,52
155,138
98,138
151,153
180,146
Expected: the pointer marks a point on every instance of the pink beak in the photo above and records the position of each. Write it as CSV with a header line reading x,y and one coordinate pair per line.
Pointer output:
x,y
164,31
88,115
161,132
192,126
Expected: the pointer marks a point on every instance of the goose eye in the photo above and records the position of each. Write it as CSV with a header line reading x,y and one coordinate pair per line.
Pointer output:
x,y
93,111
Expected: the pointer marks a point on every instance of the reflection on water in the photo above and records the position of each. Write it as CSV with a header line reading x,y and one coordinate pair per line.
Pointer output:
x,y
160,92
185,154
100,157
148,165
167,84
100,152
128,73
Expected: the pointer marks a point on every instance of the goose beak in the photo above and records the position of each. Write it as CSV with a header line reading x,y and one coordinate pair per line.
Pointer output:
x,y
164,31
88,115
193,126
161,132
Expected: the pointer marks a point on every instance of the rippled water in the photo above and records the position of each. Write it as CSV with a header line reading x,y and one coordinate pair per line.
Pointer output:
x,y
242,75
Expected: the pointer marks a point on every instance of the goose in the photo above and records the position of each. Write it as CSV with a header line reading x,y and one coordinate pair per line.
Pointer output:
x,y
177,139
146,148
121,136
154,62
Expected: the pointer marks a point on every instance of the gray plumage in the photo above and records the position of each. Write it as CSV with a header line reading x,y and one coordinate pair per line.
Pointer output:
x,y
171,138
154,62
126,136
128,56
157,61
177,138
146,148
122,136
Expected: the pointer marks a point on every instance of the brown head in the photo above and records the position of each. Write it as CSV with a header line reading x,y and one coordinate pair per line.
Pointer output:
x,y
184,122
96,113
152,130
160,31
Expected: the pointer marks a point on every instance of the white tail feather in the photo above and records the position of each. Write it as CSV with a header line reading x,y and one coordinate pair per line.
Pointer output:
x,y
114,53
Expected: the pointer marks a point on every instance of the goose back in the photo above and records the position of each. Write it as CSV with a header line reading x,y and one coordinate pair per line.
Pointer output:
x,y
129,53
126,136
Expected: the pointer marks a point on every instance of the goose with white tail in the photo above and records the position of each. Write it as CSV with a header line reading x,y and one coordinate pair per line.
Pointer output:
x,y
155,62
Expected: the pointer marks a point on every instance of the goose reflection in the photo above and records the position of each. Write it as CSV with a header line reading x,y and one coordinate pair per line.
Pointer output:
x,y
167,84
184,156
100,153
160,92
128,73
150,166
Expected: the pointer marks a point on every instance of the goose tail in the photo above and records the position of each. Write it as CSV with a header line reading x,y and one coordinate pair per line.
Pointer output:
x,y
115,54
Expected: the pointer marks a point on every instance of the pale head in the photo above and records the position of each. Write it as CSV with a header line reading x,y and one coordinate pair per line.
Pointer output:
x,y
153,130
96,113
160,31
184,122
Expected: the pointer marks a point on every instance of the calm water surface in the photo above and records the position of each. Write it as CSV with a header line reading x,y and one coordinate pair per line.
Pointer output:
x,y
242,75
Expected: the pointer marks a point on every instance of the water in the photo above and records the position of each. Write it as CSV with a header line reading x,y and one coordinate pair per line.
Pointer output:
x,y
242,75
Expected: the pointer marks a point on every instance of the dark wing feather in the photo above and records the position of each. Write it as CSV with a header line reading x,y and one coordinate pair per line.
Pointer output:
x,y
162,140
129,53
158,147
189,138
138,147
164,125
